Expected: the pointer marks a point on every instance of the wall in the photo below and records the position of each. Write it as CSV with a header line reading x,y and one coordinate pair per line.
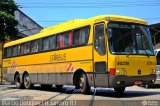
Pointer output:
x,y
26,26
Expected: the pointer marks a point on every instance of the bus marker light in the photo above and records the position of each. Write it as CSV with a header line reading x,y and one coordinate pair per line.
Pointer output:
x,y
112,71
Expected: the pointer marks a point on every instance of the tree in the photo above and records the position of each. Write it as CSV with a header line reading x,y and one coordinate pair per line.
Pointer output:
x,y
7,23
7,20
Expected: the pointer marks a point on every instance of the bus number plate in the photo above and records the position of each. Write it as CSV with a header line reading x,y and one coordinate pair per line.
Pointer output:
x,y
138,82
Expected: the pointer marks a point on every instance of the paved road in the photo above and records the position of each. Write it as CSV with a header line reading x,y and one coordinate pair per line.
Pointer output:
x,y
68,96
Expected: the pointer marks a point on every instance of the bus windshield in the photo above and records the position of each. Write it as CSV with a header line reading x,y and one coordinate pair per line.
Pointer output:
x,y
125,38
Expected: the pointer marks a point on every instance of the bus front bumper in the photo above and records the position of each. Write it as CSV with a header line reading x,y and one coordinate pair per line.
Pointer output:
x,y
124,81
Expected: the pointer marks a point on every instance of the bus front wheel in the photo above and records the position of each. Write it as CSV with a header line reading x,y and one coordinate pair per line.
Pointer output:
x,y
83,84
18,82
119,90
27,82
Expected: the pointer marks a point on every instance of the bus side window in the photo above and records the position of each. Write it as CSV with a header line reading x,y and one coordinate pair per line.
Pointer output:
x,y
70,39
99,39
76,35
52,42
22,49
61,41
8,52
45,44
84,33
5,53
58,41
36,46
33,47
16,50
80,36
66,39
27,48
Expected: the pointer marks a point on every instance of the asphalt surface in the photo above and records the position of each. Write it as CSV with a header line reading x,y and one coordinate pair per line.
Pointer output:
x,y
68,96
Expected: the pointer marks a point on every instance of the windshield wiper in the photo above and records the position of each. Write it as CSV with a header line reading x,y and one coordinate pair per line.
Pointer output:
x,y
146,52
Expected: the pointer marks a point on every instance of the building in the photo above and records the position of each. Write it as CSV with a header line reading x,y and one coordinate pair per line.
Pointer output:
x,y
155,33
26,27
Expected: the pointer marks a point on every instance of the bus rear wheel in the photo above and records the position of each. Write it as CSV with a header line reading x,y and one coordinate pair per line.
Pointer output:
x,y
18,82
119,90
83,84
27,82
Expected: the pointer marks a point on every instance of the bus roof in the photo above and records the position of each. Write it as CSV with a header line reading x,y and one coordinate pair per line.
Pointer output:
x,y
75,23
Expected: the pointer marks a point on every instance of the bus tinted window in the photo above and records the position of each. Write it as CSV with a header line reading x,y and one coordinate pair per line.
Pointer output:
x,y
27,48
52,42
5,53
59,39
64,40
45,44
67,39
80,36
36,46
8,52
70,38
16,50
22,49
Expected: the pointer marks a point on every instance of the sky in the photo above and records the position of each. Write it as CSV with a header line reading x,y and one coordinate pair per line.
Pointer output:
x,y
50,12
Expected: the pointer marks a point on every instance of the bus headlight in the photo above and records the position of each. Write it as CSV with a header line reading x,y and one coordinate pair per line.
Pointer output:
x,y
120,71
117,71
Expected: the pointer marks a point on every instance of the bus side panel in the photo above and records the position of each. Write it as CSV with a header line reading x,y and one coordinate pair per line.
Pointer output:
x,y
55,67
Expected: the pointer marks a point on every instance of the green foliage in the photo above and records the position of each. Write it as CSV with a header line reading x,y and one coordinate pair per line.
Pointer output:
x,y
7,19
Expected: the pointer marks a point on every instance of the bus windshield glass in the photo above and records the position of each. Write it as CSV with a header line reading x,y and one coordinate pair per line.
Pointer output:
x,y
125,38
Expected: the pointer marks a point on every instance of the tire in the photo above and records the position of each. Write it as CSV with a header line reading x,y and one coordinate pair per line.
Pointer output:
x,y
59,86
119,90
83,84
18,82
27,82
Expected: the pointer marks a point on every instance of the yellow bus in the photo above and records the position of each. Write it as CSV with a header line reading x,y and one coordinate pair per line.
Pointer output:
x,y
103,51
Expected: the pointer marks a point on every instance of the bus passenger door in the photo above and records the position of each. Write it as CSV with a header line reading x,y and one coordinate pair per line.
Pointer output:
x,y
100,56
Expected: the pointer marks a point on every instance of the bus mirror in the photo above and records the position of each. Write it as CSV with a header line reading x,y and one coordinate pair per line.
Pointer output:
x,y
109,32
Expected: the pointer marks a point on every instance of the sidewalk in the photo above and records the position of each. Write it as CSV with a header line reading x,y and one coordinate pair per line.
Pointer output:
x,y
3,82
